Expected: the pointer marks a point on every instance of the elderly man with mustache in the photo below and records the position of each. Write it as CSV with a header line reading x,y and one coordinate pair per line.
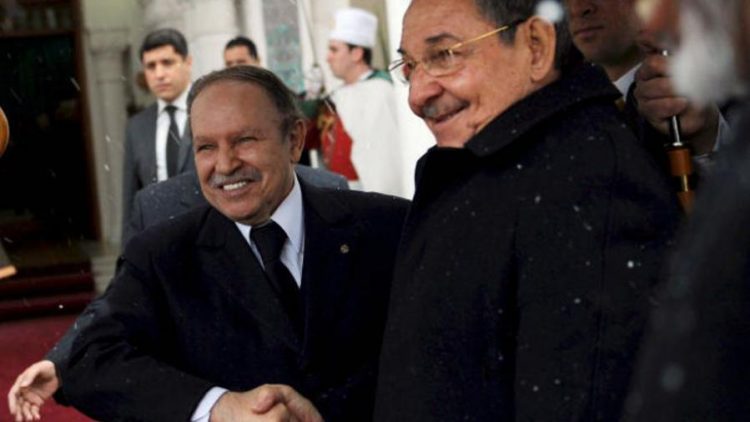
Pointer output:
x,y
274,281
536,231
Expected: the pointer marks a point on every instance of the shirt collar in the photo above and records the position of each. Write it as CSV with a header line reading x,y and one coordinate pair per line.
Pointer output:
x,y
180,102
366,75
289,215
623,84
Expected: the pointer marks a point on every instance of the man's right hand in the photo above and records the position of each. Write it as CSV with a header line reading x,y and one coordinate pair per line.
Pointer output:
x,y
33,386
265,403
658,102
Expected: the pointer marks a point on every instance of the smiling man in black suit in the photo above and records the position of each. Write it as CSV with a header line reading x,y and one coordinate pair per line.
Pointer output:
x,y
200,309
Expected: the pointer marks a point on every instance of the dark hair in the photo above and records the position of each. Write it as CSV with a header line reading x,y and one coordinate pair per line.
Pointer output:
x,y
162,37
366,53
513,12
281,96
240,41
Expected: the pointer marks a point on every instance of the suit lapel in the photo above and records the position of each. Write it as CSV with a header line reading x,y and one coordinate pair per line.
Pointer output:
x,y
186,145
331,238
150,144
227,259
192,196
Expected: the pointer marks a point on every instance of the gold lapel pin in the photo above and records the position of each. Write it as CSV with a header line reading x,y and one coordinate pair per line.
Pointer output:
x,y
344,248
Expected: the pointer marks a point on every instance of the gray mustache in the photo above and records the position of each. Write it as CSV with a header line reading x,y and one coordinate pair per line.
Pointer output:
x,y
433,109
242,174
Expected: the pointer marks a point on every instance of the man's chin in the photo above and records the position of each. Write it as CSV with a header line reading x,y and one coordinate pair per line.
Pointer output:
x,y
452,139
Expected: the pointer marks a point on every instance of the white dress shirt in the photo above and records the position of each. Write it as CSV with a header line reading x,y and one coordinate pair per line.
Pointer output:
x,y
623,84
290,215
162,129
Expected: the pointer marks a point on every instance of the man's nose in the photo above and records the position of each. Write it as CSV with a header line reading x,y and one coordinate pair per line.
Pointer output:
x,y
422,88
226,160
160,71
581,8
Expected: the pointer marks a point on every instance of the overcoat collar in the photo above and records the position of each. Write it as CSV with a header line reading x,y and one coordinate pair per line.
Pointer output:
x,y
150,138
586,83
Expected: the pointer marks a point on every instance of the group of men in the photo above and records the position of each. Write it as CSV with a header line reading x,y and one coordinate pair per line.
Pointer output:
x,y
516,285
158,139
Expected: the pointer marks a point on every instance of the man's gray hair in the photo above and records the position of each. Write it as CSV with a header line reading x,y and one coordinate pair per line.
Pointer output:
x,y
282,97
512,12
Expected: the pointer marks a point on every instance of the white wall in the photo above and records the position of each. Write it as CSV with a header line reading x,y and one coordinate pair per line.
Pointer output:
x,y
415,136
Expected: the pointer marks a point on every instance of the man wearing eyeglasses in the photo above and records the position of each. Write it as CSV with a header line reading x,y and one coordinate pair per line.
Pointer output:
x,y
361,139
536,231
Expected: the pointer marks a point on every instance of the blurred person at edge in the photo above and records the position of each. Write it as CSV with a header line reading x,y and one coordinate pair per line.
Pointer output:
x,y
610,34
693,363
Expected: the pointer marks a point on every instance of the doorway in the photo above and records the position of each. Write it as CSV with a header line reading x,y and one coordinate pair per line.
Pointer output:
x,y
46,185
45,179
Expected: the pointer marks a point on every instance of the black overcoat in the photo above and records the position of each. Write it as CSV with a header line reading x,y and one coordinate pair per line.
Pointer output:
x,y
526,265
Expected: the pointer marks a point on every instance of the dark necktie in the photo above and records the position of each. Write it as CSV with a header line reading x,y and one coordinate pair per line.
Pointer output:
x,y
173,142
269,239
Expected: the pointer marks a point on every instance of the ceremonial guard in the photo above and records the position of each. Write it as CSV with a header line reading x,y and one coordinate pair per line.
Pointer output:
x,y
359,131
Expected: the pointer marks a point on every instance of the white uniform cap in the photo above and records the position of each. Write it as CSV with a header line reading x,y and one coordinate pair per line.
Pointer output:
x,y
355,26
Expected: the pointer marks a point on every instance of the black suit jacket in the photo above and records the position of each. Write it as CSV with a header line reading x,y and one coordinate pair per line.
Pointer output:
x,y
166,200
139,166
190,308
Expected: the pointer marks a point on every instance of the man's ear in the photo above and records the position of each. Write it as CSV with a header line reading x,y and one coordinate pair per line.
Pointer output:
x,y
541,39
297,140
358,54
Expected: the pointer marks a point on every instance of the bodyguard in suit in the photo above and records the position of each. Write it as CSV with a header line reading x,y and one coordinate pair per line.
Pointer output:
x,y
611,34
205,309
157,140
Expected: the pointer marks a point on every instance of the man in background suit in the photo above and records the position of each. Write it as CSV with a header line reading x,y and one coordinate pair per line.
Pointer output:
x,y
157,140
693,364
241,51
224,321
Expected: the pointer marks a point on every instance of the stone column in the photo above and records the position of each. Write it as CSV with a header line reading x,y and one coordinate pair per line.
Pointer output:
x,y
323,20
415,136
107,47
382,54
254,27
163,14
209,24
